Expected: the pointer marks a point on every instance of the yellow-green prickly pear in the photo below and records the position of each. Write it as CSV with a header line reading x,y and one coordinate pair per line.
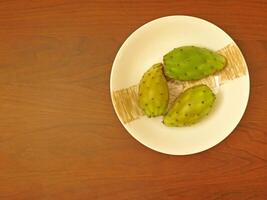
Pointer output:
x,y
153,92
190,106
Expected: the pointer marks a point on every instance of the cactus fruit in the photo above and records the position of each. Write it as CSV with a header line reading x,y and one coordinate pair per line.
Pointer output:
x,y
192,63
153,92
190,106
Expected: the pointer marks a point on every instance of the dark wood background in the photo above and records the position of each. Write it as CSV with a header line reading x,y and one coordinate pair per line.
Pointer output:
x,y
59,135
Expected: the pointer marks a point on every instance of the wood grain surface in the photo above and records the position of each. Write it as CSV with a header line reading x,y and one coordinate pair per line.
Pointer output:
x,y
59,135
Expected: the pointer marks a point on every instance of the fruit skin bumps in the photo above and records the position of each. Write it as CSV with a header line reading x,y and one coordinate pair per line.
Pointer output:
x,y
153,92
192,63
190,106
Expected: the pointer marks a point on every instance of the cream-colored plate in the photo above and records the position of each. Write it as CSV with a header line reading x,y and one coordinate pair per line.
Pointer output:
x,y
146,46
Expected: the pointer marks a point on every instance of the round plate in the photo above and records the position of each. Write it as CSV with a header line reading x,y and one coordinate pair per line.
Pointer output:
x,y
145,47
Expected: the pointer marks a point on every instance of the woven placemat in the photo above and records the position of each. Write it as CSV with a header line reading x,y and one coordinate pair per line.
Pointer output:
x,y
126,100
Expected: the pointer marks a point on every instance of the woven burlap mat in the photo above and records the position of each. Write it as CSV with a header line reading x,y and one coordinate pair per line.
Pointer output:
x,y
126,100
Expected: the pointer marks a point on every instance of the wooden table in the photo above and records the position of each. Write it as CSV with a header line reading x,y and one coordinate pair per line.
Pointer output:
x,y
59,135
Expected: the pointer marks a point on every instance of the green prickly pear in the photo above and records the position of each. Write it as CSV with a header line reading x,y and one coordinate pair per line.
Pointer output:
x,y
192,63
153,92
190,106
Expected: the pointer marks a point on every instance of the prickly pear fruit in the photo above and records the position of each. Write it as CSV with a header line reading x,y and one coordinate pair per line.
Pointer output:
x,y
153,92
192,63
190,106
